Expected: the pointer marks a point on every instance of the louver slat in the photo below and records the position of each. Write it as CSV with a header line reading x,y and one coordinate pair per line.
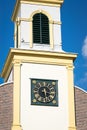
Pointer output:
x,y
45,30
40,29
36,28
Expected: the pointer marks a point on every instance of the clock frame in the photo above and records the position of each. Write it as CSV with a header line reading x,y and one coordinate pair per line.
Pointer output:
x,y
44,92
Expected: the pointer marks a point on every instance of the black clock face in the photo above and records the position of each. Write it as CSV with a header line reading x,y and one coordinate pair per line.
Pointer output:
x,y
44,92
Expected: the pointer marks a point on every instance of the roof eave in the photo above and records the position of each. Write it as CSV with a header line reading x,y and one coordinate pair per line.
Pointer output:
x,y
18,2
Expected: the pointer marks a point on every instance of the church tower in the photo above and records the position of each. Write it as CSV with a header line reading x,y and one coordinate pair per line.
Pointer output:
x,y
42,73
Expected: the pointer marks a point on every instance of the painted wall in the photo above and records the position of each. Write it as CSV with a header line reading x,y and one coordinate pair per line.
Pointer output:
x,y
43,117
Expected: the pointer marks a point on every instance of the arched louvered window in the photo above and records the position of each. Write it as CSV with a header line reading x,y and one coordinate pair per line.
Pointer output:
x,y
40,29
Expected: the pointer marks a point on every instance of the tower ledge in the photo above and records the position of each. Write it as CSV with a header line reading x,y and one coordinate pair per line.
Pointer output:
x,y
33,56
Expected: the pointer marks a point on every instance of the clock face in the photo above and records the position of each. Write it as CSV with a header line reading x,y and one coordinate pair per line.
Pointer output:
x,y
44,92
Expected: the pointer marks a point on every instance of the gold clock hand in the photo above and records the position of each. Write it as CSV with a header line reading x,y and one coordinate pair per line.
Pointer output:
x,y
44,90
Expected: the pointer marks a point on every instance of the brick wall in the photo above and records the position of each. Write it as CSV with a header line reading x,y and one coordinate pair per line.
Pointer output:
x,y
81,109
6,106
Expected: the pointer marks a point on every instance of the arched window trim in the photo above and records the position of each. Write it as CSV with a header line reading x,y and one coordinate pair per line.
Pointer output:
x,y
50,27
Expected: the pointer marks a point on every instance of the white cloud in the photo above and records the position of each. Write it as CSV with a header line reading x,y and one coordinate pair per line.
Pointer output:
x,y
85,77
83,81
84,48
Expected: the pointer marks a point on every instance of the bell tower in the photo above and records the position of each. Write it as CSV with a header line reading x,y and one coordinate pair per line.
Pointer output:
x,y
38,25
42,73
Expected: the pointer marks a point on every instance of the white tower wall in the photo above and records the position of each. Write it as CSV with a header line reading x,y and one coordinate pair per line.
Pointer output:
x,y
44,117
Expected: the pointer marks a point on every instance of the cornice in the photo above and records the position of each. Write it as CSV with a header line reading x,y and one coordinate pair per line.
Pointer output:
x,y
43,2
15,10
33,56
6,83
7,65
81,89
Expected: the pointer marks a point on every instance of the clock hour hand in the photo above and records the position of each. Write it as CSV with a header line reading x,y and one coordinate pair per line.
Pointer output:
x,y
45,92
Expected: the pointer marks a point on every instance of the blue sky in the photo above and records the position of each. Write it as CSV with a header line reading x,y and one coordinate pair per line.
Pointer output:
x,y
74,34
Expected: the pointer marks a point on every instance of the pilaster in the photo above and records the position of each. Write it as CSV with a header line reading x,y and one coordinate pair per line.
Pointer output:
x,y
51,34
16,96
31,32
71,104
18,32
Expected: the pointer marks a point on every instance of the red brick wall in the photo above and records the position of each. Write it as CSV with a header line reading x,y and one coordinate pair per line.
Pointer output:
x,y
6,106
81,109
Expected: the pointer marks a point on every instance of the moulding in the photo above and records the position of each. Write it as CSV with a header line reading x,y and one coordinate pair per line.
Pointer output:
x,y
33,56
81,89
6,83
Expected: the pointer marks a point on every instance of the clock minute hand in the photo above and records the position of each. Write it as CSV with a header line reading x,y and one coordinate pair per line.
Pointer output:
x,y
45,92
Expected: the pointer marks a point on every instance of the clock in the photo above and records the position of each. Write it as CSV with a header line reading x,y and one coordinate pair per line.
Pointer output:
x,y
44,92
